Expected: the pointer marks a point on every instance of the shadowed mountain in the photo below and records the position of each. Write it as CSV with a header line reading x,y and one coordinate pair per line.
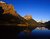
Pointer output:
x,y
10,16
9,21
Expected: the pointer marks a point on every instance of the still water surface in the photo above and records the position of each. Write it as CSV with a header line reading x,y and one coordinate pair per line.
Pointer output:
x,y
39,34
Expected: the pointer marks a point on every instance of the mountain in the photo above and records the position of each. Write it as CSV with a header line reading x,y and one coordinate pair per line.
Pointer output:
x,y
31,21
28,17
8,8
9,16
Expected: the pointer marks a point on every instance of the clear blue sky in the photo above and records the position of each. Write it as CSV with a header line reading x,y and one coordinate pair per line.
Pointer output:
x,y
39,9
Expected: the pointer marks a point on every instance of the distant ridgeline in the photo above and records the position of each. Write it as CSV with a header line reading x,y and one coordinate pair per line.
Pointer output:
x,y
8,16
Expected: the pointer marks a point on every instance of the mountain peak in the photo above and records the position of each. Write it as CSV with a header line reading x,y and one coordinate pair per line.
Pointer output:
x,y
8,8
28,17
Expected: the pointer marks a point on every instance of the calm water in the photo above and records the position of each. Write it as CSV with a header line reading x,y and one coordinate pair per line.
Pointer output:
x,y
39,34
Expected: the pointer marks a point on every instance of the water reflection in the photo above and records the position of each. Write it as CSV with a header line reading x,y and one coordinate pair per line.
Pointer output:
x,y
24,34
39,33
41,28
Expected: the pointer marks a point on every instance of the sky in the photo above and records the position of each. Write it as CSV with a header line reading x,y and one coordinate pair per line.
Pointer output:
x,y
39,9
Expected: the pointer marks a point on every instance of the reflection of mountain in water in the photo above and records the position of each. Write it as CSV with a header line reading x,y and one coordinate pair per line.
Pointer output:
x,y
38,34
40,28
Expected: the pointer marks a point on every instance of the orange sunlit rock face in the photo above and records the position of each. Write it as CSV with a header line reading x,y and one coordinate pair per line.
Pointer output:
x,y
28,17
8,9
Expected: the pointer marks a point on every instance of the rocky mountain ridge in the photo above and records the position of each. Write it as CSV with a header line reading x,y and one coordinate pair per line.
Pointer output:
x,y
9,15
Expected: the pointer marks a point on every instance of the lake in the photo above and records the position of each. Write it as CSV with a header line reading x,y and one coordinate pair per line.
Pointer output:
x,y
37,34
